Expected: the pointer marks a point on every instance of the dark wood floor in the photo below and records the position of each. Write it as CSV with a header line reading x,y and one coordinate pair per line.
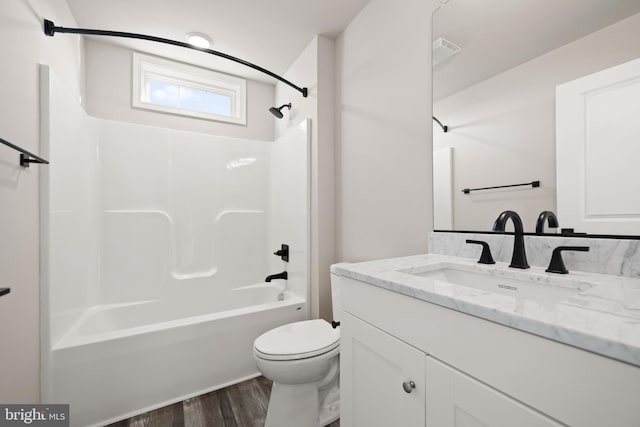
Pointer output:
x,y
241,405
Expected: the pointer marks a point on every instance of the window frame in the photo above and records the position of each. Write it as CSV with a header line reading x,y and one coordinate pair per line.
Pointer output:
x,y
147,67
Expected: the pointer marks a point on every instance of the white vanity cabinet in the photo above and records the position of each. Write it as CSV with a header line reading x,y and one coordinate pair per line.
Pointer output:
x,y
468,372
387,382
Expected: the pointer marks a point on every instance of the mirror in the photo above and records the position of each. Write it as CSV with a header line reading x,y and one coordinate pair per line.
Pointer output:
x,y
497,97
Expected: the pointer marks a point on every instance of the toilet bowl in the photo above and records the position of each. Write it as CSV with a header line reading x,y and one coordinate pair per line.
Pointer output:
x,y
303,361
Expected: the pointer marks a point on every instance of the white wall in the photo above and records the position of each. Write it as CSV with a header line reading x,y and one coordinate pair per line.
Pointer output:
x,y
314,69
383,131
24,46
109,80
502,130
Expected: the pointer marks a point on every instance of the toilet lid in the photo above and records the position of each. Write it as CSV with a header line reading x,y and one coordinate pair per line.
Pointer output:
x,y
297,340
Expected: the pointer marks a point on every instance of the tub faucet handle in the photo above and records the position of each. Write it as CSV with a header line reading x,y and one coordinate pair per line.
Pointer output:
x,y
283,252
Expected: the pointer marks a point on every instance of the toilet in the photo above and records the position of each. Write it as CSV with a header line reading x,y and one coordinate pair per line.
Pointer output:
x,y
303,361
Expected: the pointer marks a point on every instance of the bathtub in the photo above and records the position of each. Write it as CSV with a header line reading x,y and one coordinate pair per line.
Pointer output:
x,y
120,360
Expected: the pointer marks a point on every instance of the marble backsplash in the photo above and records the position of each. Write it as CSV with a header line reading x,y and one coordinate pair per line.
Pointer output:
x,y
619,257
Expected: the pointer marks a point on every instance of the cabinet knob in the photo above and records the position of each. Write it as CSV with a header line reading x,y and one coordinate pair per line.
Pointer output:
x,y
408,386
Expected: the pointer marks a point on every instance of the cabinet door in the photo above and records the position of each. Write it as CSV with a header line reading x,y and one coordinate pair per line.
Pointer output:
x,y
374,367
455,399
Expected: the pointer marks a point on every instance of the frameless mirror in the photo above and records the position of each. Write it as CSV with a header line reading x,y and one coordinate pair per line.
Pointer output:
x,y
497,96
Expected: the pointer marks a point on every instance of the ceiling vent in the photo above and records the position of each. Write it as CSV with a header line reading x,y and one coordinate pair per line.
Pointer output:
x,y
443,49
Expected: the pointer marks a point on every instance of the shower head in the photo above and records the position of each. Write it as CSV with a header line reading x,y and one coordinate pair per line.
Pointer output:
x,y
277,111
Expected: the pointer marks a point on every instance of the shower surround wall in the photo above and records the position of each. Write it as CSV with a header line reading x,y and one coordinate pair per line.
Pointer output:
x,y
157,243
180,210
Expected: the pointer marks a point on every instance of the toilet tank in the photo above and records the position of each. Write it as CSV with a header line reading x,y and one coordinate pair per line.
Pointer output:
x,y
336,301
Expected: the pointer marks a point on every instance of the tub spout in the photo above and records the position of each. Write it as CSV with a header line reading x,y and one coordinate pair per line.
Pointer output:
x,y
282,275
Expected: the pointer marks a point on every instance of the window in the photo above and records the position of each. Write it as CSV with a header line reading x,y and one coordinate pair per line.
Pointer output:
x,y
177,88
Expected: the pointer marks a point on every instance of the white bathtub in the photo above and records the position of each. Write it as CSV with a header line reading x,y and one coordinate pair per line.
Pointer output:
x,y
122,360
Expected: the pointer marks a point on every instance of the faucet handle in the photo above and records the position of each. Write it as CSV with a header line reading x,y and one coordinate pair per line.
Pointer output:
x,y
557,264
283,252
485,257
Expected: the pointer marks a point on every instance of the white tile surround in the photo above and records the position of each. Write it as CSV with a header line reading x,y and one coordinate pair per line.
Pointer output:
x,y
618,257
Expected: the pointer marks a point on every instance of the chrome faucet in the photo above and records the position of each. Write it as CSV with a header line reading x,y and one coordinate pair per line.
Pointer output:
x,y
519,257
282,275
551,218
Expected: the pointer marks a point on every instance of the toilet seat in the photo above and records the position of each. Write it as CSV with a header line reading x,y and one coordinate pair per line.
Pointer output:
x,y
299,340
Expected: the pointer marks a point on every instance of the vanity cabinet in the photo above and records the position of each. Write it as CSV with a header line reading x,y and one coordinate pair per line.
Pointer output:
x,y
387,382
468,372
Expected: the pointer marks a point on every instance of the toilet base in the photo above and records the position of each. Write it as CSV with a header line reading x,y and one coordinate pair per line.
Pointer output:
x,y
294,405
297,405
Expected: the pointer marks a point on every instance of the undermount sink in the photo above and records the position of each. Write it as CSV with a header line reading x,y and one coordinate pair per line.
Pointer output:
x,y
518,284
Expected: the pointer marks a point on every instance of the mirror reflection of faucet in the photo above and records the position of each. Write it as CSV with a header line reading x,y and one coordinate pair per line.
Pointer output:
x,y
551,219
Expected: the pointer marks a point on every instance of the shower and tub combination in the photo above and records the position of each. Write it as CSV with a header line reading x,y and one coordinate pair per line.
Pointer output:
x,y
156,248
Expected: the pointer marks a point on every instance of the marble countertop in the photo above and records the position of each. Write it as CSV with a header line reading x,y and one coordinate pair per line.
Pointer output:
x,y
602,314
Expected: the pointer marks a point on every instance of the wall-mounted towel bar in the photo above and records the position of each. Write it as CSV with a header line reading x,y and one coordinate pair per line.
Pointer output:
x,y
532,184
4,291
25,156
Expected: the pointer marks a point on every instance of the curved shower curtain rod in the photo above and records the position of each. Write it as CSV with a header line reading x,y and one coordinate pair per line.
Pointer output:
x,y
50,29
445,128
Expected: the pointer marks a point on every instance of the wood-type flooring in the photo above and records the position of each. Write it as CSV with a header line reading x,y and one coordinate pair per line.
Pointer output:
x,y
241,405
